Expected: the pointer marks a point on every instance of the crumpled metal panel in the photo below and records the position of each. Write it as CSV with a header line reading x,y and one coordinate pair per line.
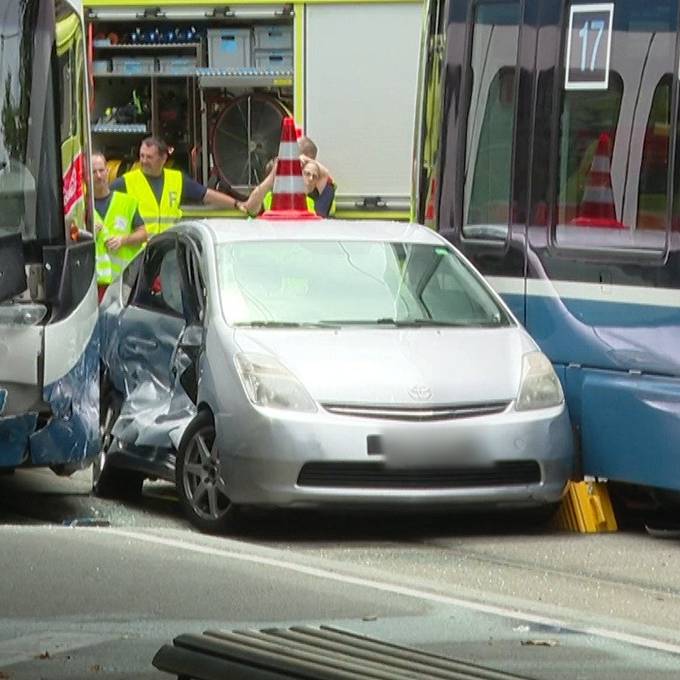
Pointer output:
x,y
153,414
14,434
156,409
72,434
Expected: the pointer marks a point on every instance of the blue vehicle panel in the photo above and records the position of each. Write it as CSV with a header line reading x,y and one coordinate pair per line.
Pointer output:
x,y
66,431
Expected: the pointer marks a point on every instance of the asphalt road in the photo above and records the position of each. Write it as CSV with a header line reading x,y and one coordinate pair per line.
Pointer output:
x,y
92,588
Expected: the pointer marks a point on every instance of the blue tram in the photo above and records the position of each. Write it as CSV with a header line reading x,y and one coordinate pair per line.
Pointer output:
x,y
547,150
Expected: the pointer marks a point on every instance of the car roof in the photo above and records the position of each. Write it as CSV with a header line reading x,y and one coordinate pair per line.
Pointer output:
x,y
231,230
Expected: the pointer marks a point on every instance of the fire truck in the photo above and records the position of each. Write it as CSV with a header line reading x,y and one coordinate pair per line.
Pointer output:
x,y
215,80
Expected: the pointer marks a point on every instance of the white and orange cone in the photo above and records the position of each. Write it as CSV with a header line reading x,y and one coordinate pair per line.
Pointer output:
x,y
597,207
289,200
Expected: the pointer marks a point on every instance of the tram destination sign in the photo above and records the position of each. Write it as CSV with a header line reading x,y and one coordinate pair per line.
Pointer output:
x,y
589,43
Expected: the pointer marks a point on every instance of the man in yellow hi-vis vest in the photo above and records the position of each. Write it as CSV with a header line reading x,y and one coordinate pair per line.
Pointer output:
x,y
160,191
119,229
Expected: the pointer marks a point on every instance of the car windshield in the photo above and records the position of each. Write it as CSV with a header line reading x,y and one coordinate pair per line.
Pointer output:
x,y
288,283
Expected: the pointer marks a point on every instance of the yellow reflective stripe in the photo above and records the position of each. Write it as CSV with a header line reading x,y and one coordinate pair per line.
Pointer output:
x,y
157,217
117,222
120,261
171,196
103,265
138,186
269,197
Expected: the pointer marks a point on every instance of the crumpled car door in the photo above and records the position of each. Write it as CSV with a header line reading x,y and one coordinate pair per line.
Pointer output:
x,y
155,408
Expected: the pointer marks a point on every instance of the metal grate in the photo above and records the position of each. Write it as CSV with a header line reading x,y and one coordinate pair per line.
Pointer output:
x,y
308,653
419,414
378,476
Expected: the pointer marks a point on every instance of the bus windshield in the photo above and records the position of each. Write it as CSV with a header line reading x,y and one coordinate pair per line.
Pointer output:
x,y
28,133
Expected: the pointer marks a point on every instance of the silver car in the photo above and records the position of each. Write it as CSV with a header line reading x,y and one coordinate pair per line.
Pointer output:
x,y
329,363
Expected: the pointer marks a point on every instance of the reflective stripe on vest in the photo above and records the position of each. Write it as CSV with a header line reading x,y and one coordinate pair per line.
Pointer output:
x,y
269,196
116,222
157,217
311,205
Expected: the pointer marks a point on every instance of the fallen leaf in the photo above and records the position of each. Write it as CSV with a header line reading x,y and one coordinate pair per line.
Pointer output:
x,y
96,668
44,655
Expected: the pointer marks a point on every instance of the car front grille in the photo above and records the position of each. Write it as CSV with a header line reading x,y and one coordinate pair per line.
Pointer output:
x,y
377,476
419,414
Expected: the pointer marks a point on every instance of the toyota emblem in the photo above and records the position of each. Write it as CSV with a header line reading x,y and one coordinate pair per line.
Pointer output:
x,y
420,393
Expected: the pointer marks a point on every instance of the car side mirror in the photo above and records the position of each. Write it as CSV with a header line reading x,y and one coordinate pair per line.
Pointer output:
x,y
12,267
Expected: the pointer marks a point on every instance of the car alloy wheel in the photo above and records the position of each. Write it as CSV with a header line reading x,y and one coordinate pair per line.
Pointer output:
x,y
201,486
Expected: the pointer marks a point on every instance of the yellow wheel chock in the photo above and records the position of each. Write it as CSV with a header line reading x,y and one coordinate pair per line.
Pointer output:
x,y
586,509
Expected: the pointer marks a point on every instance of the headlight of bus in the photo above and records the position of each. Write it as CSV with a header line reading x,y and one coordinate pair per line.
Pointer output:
x,y
22,314
540,386
268,383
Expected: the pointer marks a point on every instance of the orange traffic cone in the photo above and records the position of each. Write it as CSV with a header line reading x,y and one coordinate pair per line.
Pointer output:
x,y
597,207
289,201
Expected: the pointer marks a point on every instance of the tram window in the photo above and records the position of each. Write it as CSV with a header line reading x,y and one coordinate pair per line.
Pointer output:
x,y
653,194
675,213
613,147
490,122
587,130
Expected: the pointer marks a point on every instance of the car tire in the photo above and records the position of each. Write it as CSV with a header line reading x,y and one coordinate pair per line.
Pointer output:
x,y
109,481
198,479
118,483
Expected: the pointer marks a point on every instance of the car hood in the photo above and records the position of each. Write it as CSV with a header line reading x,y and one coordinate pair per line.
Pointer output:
x,y
388,366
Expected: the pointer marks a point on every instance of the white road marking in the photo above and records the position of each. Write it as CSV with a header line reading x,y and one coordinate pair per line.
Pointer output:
x,y
617,636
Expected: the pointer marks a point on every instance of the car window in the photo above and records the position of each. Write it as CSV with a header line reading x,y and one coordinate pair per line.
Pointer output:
x,y
160,288
348,282
195,295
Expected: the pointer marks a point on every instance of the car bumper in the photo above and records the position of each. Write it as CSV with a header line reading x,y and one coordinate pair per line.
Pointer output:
x,y
262,457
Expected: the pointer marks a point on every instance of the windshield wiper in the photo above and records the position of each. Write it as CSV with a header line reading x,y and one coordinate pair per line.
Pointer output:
x,y
415,323
284,324
397,323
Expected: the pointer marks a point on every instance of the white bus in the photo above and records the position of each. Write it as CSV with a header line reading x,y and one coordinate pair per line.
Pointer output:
x,y
49,393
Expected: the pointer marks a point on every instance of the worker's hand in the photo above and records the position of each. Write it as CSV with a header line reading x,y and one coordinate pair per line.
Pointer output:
x,y
240,205
98,226
114,243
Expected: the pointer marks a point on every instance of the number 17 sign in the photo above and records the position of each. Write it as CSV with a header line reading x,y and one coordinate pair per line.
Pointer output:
x,y
589,43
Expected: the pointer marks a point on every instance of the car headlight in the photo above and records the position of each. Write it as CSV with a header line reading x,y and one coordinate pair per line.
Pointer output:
x,y
540,386
270,384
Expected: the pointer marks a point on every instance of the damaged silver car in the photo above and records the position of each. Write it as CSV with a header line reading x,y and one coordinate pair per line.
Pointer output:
x,y
347,364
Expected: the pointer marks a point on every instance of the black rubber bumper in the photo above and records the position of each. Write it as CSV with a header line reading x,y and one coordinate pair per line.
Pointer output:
x,y
307,653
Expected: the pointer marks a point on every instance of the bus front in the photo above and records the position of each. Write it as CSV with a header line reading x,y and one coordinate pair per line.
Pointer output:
x,y
48,304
